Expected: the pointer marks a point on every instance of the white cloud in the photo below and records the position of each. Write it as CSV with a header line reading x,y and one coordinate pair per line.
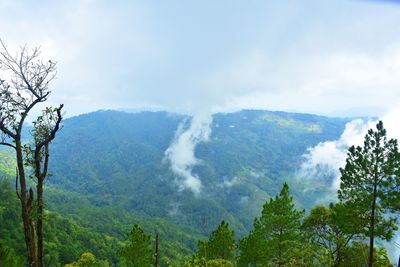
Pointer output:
x,y
174,208
326,158
130,54
229,183
322,83
181,152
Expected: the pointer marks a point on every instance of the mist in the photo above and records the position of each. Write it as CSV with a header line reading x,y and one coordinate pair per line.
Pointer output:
x,y
325,159
181,153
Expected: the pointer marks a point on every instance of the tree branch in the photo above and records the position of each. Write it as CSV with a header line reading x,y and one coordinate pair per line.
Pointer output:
x,y
26,111
5,130
8,144
41,174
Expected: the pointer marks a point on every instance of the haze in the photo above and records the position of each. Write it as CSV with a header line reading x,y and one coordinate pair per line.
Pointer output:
x,y
327,57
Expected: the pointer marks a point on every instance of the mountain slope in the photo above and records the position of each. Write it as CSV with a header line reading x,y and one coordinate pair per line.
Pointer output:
x,y
115,159
109,172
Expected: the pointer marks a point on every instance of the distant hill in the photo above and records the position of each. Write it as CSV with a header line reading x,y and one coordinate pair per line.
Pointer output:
x,y
116,159
108,172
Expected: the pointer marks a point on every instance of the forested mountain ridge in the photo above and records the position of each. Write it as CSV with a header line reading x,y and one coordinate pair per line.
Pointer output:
x,y
117,159
108,172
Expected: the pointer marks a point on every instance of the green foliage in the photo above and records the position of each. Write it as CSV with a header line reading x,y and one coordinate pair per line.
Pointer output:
x,y
292,123
65,239
357,255
279,226
220,263
8,257
220,245
7,163
137,252
119,156
87,259
198,261
119,178
10,218
108,175
330,231
277,233
370,185
250,249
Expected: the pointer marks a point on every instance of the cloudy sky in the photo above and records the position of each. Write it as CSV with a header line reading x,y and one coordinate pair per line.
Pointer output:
x,y
328,57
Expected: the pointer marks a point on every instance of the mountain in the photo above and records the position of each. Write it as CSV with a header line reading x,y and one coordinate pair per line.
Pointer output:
x,y
108,171
117,159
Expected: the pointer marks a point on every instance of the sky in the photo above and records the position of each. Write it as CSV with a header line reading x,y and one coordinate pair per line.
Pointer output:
x,y
333,57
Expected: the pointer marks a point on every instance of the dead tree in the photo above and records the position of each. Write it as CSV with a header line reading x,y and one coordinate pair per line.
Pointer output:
x,y
25,84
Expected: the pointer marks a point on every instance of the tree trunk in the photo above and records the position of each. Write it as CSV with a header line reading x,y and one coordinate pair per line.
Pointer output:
x,y
39,224
372,230
26,204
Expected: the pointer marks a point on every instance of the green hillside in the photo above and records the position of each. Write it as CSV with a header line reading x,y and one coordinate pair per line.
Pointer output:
x,y
116,159
108,173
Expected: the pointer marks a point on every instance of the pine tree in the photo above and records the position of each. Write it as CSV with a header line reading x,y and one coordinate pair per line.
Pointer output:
x,y
277,233
251,250
370,184
137,252
220,245
222,242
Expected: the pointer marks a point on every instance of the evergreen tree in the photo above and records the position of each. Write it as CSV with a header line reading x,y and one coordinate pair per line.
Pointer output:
x,y
220,245
280,225
251,251
370,185
279,233
137,252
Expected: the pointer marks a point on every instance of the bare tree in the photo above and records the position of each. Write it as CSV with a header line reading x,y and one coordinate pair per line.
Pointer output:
x,y
26,84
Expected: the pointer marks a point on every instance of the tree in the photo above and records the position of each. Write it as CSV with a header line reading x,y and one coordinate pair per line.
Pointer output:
x,y
220,245
251,250
357,255
329,229
277,233
137,252
87,259
197,261
220,263
370,185
27,87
